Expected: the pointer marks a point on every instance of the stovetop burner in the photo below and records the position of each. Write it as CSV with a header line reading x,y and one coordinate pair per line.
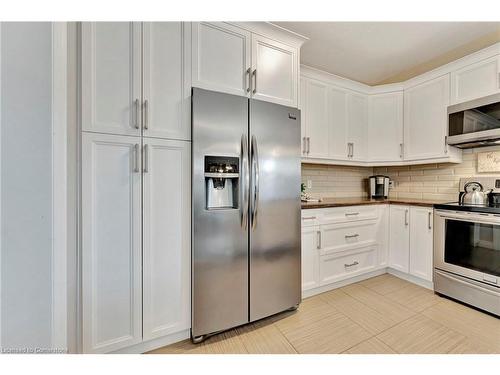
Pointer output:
x,y
455,206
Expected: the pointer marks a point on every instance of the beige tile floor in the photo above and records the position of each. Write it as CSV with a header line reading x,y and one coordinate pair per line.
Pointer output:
x,y
383,314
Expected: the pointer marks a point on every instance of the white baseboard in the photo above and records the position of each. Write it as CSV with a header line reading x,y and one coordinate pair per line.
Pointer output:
x,y
144,347
340,284
412,279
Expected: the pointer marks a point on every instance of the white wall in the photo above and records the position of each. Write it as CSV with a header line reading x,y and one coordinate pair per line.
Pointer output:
x,y
32,180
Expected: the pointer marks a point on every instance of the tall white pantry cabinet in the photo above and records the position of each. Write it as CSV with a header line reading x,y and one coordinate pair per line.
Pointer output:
x,y
135,194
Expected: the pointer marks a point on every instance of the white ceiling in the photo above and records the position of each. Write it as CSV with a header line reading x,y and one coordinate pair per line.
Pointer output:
x,y
371,52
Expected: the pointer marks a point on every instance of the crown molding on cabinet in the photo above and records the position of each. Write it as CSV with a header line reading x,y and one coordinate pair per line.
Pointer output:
x,y
270,30
333,79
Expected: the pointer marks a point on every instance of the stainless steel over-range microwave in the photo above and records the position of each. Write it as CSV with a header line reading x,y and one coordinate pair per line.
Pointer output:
x,y
475,123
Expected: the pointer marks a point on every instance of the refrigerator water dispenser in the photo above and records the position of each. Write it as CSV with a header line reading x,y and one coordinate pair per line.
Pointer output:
x,y
221,181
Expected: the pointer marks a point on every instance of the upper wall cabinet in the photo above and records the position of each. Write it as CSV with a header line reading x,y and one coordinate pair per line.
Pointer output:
x,y
385,127
476,80
120,57
274,71
237,61
221,58
425,119
316,124
357,126
111,77
166,80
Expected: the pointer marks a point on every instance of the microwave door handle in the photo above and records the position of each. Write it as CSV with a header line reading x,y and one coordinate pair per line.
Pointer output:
x,y
245,181
254,156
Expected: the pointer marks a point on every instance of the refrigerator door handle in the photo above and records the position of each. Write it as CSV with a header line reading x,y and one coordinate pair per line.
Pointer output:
x,y
254,156
245,181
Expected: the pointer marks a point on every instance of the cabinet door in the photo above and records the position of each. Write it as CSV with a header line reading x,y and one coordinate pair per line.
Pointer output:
x,y
421,237
166,237
337,123
274,71
425,119
111,242
476,80
111,77
167,87
357,125
310,258
221,58
385,129
316,115
399,237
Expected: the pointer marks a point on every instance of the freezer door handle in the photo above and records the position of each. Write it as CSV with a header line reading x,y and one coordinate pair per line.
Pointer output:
x,y
245,177
254,157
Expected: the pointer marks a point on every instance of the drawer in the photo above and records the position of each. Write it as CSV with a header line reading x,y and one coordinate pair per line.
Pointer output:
x,y
338,266
341,237
349,213
309,218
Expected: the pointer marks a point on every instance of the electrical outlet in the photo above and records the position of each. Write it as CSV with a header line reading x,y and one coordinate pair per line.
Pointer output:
x,y
392,184
309,184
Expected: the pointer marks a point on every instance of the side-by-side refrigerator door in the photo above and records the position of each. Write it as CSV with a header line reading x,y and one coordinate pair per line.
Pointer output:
x,y
274,208
220,212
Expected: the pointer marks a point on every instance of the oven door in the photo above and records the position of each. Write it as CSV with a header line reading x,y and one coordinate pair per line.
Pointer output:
x,y
468,244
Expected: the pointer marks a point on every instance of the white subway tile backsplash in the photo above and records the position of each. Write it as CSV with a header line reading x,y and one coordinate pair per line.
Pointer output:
x,y
426,181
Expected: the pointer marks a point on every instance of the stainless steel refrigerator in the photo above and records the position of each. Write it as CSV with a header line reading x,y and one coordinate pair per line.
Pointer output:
x,y
246,211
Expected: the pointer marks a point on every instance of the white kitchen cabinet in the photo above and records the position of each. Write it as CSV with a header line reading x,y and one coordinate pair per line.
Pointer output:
x,y
357,126
337,123
425,119
476,80
221,58
166,237
399,237
342,265
421,242
315,109
111,77
234,60
385,127
119,57
310,257
111,242
274,71
166,80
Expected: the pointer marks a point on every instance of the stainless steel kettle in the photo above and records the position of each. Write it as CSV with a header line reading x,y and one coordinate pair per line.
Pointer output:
x,y
474,194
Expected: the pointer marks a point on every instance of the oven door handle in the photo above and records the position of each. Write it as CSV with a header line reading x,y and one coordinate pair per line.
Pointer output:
x,y
476,218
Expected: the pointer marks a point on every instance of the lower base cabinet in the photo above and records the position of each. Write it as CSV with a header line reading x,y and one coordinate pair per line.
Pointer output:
x,y
135,240
411,240
310,257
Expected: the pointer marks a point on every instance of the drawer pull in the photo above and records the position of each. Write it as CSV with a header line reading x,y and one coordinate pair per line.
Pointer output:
x,y
309,218
351,213
355,263
351,235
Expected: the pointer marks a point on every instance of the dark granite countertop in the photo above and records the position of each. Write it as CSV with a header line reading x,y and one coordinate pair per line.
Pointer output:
x,y
357,201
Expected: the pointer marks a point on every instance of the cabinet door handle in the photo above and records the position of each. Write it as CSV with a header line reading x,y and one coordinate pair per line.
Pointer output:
x,y
355,263
446,144
308,145
136,108
429,219
351,235
401,151
318,234
136,158
406,217
352,150
254,74
304,146
146,114
146,158
249,81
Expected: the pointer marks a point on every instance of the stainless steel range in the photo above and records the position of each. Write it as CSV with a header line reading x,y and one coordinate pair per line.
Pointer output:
x,y
467,247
